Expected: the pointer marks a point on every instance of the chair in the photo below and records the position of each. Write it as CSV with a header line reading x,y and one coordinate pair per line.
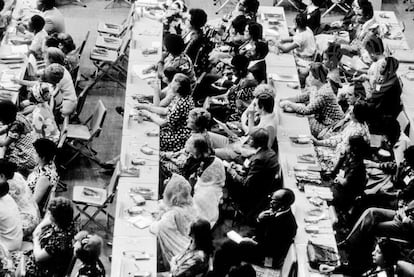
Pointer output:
x,y
117,30
337,3
277,4
80,136
404,122
107,60
50,194
86,197
290,264
81,102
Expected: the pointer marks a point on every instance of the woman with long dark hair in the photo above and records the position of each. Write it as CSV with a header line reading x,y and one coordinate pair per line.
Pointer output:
x,y
195,259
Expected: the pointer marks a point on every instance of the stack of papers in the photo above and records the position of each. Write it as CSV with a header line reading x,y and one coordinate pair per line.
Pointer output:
x,y
316,191
139,71
6,81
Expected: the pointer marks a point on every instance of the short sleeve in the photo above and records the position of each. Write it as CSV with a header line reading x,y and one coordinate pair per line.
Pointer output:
x,y
178,113
299,40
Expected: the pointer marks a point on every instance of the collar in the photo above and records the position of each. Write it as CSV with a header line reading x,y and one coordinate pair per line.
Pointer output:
x,y
282,212
254,62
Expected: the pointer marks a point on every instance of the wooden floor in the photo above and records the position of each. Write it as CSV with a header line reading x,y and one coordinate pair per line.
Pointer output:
x,y
79,20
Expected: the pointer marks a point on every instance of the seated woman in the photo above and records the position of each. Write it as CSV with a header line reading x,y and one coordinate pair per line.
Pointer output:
x,y
350,174
11,234
240,95
349,94
321,101
194,37
235,37
373,52
208,179
87,249
39,112
257,65
330,149
384,258
199,123
172,226
313,15
253,33
44,175
174,131
68,48
195,259
175,57
303,45
52,241
18,139
362,30
22,195
350,18
385,101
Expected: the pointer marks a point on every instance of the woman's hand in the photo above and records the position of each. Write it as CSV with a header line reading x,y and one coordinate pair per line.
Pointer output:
x,y
360,78
141,106
265,214
371,164
146,114
339,180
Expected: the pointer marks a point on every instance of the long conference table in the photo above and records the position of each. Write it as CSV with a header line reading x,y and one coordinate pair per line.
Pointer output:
x,y
129,238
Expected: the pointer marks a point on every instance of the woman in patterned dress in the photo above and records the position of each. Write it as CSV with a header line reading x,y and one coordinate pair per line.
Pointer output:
x,y
321,101
330,149
173,129
87,250
52,242
44,176
18,140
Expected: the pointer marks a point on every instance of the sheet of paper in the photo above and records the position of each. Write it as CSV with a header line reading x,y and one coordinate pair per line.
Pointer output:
x,y
139,68
234,236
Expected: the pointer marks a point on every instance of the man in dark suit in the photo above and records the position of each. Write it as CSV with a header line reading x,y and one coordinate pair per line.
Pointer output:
x,y
251,186
274,233
257,64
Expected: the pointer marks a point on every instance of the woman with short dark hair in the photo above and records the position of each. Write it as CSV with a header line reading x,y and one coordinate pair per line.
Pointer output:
x,y
44,177
52,241
195,36
18,139
174,131
176,57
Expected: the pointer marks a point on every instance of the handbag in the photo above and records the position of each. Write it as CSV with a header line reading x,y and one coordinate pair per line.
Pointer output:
x,y
321,254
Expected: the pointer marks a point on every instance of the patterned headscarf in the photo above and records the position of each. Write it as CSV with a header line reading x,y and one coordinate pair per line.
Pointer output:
x,y
41,92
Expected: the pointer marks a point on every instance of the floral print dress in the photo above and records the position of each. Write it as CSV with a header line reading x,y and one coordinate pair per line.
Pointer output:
x,y
57,242
21,151
239,97
175,133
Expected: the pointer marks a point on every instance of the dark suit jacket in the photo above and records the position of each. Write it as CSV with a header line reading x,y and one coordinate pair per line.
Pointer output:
x,y
259,71
259,181
275,234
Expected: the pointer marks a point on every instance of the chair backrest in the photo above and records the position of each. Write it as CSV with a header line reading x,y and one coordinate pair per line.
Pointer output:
x,y
113,183
126,39
290,265
97,119
404,122
82,98
44,204
82,45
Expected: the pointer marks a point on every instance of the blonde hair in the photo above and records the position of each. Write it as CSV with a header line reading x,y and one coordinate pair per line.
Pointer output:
x,y
177,192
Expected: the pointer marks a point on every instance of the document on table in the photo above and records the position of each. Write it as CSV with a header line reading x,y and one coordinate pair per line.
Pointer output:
x,y
6,81
139,71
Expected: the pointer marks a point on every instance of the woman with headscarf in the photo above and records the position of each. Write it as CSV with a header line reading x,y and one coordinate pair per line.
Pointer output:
x,y
321,101
177,213
385,101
